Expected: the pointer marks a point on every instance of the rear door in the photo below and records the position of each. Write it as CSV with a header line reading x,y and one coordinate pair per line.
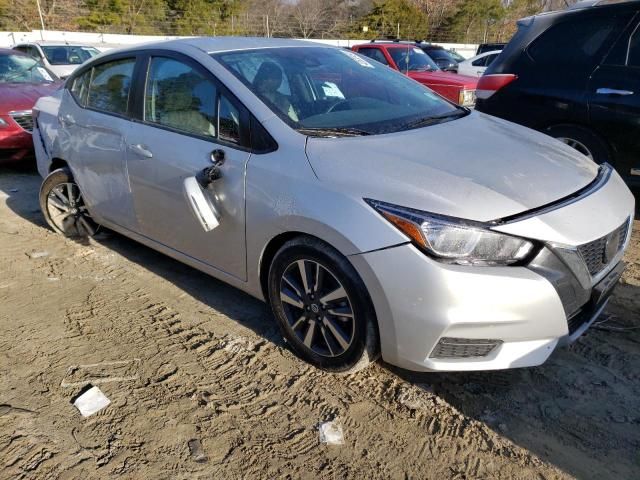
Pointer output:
x,y
94,119
186,115
614,103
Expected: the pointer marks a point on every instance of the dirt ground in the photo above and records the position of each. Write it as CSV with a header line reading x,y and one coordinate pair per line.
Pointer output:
x,y
184,357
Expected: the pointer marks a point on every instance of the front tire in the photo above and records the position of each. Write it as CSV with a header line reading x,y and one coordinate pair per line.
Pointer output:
x,y
322,306
63,207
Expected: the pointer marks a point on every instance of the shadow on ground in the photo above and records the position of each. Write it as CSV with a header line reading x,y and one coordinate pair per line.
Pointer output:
x,y
585,399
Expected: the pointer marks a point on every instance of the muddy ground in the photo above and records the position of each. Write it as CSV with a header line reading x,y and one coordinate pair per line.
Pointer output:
x,y
184,357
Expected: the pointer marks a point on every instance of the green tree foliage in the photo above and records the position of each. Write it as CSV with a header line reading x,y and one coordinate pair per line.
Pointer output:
x,y
469,21
124,16
207,17
387,15
476,17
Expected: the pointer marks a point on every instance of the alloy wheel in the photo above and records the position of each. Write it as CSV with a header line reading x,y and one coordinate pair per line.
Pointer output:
x,y
576,145
317,307
68,212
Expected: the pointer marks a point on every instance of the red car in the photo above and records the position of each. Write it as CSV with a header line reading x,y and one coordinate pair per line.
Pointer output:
x,y
412,61
22,81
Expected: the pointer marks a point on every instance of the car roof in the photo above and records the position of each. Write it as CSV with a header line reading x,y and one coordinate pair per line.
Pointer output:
x,y
389,44
9,51
596,3
55,44
225,44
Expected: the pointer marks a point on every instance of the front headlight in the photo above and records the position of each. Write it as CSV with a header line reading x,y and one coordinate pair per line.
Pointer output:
x,y
453,240
467,98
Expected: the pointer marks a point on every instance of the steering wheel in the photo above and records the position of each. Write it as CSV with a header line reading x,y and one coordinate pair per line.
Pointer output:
x,y
334,107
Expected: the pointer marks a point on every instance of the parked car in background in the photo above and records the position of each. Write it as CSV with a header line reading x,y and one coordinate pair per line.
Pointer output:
x,y
476,66
490,47
575,75
60,58
445,60
413,62
456,56
328,185
22,81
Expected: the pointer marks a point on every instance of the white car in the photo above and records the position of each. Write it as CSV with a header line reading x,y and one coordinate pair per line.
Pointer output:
x,y
61,58
475,66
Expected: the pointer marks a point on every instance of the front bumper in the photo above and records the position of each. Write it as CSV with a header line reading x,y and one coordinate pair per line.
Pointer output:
x,y
512,304
15,142
424,306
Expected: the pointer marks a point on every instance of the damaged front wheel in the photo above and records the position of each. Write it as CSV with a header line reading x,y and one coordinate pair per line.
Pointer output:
x,y
63,207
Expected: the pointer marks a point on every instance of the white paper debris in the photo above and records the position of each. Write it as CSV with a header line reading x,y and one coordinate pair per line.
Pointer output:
x,y
91,401
331,433
38,254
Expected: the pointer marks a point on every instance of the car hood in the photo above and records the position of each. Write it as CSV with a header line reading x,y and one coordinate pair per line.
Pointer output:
x,y
22,96
477,167
63,71
445,78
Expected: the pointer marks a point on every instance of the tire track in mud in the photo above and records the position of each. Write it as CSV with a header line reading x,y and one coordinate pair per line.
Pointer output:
x,y
230,376
254,406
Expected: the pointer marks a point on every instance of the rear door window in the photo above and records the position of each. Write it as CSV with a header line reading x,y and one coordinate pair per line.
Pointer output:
x,y
481,62
581,41
80,87
110,86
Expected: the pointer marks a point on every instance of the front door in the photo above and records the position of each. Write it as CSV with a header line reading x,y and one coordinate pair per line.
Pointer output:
x,y
186,117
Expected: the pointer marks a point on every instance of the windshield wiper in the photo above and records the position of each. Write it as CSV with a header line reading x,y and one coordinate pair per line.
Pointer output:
x,y
19,74
332,132
426,121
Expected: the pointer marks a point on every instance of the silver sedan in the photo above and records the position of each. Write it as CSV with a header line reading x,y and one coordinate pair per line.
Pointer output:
x,y
373,215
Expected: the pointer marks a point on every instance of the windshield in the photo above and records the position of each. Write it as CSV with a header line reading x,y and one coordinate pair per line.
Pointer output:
x,y
329,91
68,55
440,54
456,56
23,69
412,59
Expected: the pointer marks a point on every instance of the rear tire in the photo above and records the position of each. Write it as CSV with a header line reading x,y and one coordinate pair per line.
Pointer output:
x,y
63,207
582,140
326,316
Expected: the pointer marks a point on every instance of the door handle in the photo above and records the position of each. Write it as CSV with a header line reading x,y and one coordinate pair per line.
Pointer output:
x,y
141,150
613,91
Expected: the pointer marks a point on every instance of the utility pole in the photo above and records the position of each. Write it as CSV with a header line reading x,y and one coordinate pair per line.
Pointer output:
x,y
41,20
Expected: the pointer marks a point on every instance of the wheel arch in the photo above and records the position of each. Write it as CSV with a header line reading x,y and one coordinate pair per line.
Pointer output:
x,y
57,163
585,128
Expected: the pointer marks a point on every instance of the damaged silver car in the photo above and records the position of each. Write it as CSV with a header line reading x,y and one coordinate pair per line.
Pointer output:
x,y
317,180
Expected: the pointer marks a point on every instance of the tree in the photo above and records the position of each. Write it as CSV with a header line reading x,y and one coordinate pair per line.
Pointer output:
x,y
396,18
474,19
206,17
123,16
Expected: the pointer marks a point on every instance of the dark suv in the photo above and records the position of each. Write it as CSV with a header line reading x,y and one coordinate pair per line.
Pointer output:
x,y
574,75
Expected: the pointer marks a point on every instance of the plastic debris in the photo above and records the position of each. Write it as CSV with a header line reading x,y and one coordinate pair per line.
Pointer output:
x,y
38,254
91,401
14,190
196,450
331,433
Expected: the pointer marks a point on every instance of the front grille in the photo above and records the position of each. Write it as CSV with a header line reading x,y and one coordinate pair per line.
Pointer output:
x,y
24,119
449,347
594,253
